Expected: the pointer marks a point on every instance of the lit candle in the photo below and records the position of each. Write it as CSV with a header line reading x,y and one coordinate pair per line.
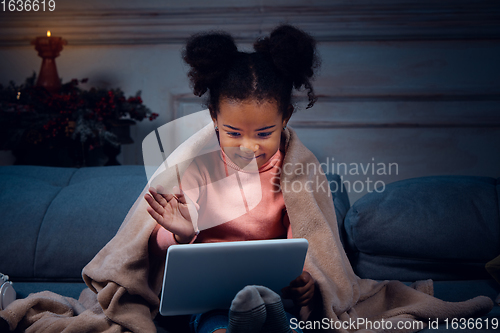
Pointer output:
x,y
48,48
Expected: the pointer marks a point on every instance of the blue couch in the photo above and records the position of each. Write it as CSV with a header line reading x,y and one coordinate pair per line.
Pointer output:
x,y
444,228
54,220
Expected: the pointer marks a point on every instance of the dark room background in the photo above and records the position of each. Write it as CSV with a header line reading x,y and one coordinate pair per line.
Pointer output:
x,y
406,88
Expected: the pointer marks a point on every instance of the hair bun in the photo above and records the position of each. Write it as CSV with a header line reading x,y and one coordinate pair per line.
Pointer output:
x,y
209,55
293,53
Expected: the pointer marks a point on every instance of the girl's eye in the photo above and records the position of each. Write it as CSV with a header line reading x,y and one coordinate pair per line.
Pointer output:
x,y
265,134
233,134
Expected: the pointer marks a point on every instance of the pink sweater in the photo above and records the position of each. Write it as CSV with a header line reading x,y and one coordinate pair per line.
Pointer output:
x,y
268,220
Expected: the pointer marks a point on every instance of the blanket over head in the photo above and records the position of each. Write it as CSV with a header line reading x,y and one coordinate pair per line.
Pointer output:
x,y
124,280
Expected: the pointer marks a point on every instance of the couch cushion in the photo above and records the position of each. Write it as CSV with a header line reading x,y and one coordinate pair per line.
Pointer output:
x,y
26,194
52,235
83,217
49,175
440,227
69,289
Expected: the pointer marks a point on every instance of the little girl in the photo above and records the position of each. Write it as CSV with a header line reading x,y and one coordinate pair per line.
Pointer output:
x,y
249,99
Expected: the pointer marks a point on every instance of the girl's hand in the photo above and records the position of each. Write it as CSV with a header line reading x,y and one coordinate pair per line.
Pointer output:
x,y
171,212
301,290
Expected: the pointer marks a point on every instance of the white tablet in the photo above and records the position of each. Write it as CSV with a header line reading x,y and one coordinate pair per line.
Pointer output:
x,y
207,276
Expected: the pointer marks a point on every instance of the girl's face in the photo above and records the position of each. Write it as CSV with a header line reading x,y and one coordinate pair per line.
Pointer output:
x,y
249,129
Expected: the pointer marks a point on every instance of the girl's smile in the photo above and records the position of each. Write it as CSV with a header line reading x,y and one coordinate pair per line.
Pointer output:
x,y
249,129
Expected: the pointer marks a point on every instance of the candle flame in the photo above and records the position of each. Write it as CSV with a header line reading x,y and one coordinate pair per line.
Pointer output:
x,y
48,33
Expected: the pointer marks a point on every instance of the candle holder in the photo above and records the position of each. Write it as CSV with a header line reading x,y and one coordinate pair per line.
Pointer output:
x,y
48,49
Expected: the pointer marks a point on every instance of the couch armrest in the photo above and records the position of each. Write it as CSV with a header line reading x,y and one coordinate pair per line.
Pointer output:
x,y
438,227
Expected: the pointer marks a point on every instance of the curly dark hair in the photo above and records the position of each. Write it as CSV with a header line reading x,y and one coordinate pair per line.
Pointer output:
x,y
283,61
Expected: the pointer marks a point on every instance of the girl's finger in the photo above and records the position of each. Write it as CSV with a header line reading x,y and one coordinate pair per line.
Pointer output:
x,y
302,301
302,289
155,215
180,198
161,191
179,195
300,281
174,203
160,198
154,204
298,292
305,298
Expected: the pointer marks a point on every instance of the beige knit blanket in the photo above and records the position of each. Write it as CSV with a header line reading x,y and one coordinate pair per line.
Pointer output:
x,y
124,280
